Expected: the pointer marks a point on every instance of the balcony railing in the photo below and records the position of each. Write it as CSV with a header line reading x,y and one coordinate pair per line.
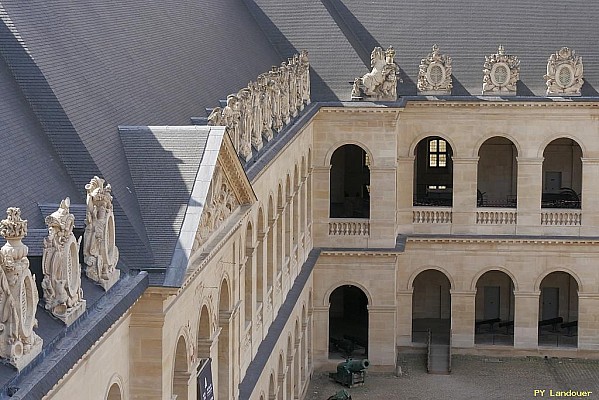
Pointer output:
x,y
349,227
559,217
507,216
431,215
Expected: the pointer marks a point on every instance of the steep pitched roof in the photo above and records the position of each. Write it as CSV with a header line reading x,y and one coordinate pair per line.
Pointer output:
x,y
466,30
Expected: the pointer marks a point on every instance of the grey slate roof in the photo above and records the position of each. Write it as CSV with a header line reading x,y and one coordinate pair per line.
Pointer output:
x,y
104,64
165,168
340,35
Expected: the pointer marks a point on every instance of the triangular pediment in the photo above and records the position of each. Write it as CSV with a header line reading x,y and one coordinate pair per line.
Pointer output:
x,y
220,191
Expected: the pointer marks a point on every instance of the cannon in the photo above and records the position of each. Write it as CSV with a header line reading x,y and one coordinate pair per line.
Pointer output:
x,y
340,395
351,373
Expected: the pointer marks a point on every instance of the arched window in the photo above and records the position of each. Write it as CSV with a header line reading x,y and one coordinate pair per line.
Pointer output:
x,y
433,173
350,183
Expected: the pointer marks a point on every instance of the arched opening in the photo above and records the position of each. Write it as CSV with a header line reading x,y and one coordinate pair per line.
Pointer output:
x,y
272,395
204,341
497,173
249,274
181,371
433,172
350,183
280,257
288,224
562,174
289,377
281,378
270,252
260,258
297,205
558,311
348,322
431,307
114,393
224,316
494,314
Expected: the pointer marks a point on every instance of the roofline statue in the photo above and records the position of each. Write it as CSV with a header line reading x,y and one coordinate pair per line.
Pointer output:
x,y
100,253
19,344
381,82
60,264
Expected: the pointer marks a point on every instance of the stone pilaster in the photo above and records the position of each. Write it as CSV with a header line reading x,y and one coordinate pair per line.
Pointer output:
x,y
526,320
404,317
381,335
320,342
465,171
590,196
382,199
462,318
588,321
405,194
530,186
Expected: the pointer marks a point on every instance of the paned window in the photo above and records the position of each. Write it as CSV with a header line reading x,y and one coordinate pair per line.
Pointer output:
x,y
437,153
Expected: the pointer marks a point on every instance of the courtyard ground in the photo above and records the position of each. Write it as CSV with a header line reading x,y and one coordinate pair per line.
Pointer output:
x,y
472,377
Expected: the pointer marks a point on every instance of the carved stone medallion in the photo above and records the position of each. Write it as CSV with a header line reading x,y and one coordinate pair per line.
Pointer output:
x,y
564,73
501,73
434,75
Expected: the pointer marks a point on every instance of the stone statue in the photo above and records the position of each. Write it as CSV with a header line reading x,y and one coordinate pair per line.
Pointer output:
x,y
381,82
564,73
231,117
261,109
99,249
19,344
245,123
304,77
434,75
60,264
501,73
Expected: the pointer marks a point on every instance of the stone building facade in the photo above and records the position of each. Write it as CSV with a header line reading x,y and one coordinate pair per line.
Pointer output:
x,y
347,201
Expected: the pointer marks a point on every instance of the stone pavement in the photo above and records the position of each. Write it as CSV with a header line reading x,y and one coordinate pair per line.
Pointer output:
x,y
473,377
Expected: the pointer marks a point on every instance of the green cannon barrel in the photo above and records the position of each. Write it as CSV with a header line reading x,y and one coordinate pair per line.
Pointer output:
x,y
353,365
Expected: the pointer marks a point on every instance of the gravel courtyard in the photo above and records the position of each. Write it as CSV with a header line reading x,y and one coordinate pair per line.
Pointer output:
x,y
474,377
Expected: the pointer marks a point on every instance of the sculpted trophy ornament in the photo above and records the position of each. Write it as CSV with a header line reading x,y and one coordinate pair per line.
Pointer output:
x,y
381,82
564,73
501,73
434,75
99,250
60,264
19,344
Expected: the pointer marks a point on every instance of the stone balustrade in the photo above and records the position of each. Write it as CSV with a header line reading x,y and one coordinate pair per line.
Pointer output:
x,y
349,227
561,217
432,215
497,217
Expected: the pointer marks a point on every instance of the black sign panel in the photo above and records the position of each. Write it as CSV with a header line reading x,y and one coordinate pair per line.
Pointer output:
x,y
205,387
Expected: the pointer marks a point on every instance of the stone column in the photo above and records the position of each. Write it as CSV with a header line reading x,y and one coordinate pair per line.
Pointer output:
x,y
405,194
465,170
462,318
590,196
404,317
526,319
530,186
588,324
320,338
381,335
